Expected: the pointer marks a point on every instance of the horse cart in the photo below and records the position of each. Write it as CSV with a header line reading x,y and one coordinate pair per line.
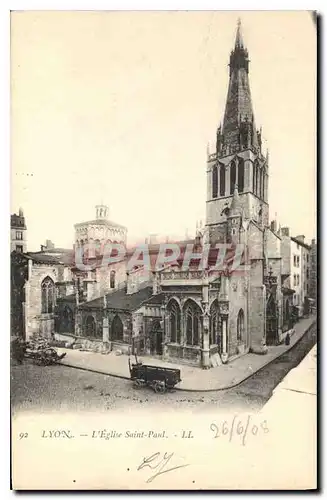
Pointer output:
x,y
160,379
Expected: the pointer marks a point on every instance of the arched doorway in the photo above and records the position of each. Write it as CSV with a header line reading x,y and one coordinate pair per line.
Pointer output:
x,y
156,339
90,326
271,321
117,329
67,320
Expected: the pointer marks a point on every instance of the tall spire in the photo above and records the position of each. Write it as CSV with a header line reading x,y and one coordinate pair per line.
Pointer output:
x,y
239,37
239,131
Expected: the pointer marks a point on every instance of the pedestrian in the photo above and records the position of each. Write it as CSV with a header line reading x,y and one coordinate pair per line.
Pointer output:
x,y
287,339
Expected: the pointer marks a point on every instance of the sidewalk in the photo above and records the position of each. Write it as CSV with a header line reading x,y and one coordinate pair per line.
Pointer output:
x,y
298,390
193,378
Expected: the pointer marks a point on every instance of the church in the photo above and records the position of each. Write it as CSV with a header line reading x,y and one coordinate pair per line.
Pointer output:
x,y
199,315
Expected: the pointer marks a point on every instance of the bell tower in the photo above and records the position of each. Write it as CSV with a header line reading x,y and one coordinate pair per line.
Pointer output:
x,y
238,159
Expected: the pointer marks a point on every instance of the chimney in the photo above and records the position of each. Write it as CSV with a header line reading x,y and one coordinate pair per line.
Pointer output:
x,y
285,231
153,239
301,238
48,246
131,286
273,225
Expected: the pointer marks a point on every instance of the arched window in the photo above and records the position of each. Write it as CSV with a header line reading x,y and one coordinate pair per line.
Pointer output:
x,y
240,325
260,183
174,315
193,323
232,177
215,182
257,180
240,180
97,247
222,176
112,279
117,330
214,322
48,295
90,326
67,320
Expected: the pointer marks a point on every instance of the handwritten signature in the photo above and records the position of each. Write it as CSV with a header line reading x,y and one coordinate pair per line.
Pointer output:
x,y
159,464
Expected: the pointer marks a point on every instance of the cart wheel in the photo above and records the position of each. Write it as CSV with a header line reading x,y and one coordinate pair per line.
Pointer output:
x,y
139,383
159,388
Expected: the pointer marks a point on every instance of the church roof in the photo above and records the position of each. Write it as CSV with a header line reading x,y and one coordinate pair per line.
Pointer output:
x,y
100,222
121,300
55,256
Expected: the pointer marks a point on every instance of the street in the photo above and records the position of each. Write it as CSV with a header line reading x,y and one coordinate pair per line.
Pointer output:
x,y
61,388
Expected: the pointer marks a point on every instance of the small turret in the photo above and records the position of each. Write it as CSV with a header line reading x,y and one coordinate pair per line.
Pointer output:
x,y
234,218
102,211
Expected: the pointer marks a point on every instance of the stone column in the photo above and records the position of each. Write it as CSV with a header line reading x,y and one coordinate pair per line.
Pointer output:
x,y
205,351
78,319
182,326
266,187
248,167
165,338
205,348
224,354
105,330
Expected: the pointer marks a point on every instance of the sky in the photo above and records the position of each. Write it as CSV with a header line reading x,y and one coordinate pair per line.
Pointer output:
x,y
118,108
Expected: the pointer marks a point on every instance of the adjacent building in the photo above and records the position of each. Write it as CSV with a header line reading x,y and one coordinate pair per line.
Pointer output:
x,y
313,272
18,231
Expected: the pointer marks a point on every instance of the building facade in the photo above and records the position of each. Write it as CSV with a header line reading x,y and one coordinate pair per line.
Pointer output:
x,y
18,231
296,255
313,272
184,311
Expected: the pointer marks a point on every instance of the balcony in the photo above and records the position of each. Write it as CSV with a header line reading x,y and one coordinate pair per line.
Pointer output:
x,y
181,277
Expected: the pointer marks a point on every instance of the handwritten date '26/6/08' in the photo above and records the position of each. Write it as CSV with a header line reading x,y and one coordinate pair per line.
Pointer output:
x,y
238,427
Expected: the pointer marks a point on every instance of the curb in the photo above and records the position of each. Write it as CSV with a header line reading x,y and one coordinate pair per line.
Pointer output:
x,y
202,390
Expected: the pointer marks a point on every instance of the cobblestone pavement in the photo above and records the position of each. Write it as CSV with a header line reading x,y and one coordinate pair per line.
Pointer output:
x,y
58,387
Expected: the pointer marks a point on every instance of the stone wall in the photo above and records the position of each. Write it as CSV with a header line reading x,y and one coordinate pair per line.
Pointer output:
x,y
102,277
257,304
81,318
237,300
36,321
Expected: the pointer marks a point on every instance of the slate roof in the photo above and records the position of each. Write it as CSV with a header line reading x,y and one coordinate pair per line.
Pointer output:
x,y
305,245
120,300
67,298
156,300
66,257
100,222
